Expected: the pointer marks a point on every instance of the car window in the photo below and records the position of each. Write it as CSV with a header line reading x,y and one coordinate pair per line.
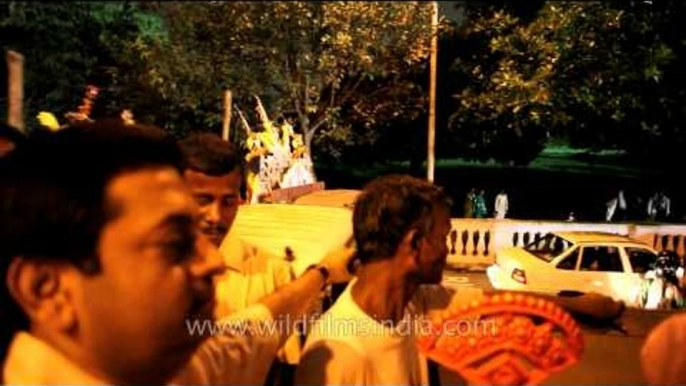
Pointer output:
x,y
569,262
641,259
601,259
548,247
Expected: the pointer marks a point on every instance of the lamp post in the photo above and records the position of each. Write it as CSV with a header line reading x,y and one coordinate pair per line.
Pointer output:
x,y
431,157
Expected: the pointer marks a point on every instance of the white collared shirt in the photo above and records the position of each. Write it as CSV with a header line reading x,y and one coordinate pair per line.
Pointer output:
x,y
30,361
221,360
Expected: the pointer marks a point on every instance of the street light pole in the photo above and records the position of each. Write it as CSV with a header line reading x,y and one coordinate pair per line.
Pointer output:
x,y
431,160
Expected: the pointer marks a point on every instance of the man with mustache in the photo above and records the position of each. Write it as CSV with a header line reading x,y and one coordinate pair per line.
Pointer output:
x,y
105,267
213,171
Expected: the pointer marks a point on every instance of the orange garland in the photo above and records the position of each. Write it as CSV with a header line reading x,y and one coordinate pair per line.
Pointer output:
x,y
529,339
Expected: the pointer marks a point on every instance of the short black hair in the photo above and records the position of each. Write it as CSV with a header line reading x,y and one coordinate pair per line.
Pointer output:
x,y
388,208
53,202
209,154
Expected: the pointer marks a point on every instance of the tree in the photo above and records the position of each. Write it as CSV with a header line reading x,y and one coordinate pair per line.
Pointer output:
x,y
593,73
627,90
504,107
331,64
66,46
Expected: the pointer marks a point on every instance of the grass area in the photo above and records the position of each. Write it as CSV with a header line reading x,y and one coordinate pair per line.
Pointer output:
x,y
557,158
559,181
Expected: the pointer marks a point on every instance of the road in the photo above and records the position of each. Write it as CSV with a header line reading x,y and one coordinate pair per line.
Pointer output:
x,y
610,357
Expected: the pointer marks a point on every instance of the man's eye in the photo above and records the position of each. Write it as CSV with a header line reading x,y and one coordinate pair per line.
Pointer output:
x,y
203,200
229,201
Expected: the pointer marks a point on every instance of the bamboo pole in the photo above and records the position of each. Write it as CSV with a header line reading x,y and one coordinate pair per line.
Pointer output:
x,y
15,94
431,157
244,121
227,115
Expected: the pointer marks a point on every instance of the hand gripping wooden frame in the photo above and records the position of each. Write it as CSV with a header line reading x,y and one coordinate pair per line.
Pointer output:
x,y
509,339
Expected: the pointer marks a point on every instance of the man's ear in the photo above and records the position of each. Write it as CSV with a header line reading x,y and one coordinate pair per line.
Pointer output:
x,y
38,287
412,239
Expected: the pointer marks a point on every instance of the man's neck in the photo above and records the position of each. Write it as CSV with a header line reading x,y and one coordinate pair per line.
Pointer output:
x,y
383,292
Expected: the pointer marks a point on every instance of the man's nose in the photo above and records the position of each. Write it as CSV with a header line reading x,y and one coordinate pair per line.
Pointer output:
x,y
208,261
212,213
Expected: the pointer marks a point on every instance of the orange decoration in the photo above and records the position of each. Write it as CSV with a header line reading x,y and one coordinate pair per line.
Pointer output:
x,y
511,340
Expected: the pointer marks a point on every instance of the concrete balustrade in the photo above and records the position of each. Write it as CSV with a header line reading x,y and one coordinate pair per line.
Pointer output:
x,y
313,230
474,242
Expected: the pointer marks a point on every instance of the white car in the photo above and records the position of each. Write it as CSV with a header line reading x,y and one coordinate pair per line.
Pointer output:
x,y
607,264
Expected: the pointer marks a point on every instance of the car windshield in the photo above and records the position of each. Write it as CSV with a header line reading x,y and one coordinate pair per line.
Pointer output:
x,y
548,247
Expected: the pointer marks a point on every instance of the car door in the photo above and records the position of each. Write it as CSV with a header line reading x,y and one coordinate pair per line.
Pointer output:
x,y
566,276
601,270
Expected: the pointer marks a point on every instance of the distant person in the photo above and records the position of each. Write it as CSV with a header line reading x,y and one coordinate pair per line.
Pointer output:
x,y
611,209
636,208
622,207
501,205
570,217
652,207
616,208
664,206
659,207
469,203
480,210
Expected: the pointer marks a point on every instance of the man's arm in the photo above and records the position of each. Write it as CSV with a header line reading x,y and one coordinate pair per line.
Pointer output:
x,y
247,340
591,305
294,300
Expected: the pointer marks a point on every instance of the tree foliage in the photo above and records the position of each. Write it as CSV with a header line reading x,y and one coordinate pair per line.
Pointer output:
x,y
599,74
333,65
66,46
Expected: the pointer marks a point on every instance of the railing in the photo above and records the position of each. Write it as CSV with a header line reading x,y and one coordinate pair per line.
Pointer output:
x,y
474,242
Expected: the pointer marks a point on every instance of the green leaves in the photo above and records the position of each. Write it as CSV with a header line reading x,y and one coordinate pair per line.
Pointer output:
x,y
583,71
313,58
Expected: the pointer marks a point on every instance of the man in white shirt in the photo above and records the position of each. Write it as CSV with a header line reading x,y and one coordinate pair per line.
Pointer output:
x,y
106,271
400,224
501,205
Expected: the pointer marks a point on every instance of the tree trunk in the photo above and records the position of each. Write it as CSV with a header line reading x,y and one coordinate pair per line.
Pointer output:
x,y
308,135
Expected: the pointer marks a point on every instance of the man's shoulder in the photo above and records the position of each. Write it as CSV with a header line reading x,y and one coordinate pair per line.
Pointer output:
x,y
253,250
340,322
249,250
